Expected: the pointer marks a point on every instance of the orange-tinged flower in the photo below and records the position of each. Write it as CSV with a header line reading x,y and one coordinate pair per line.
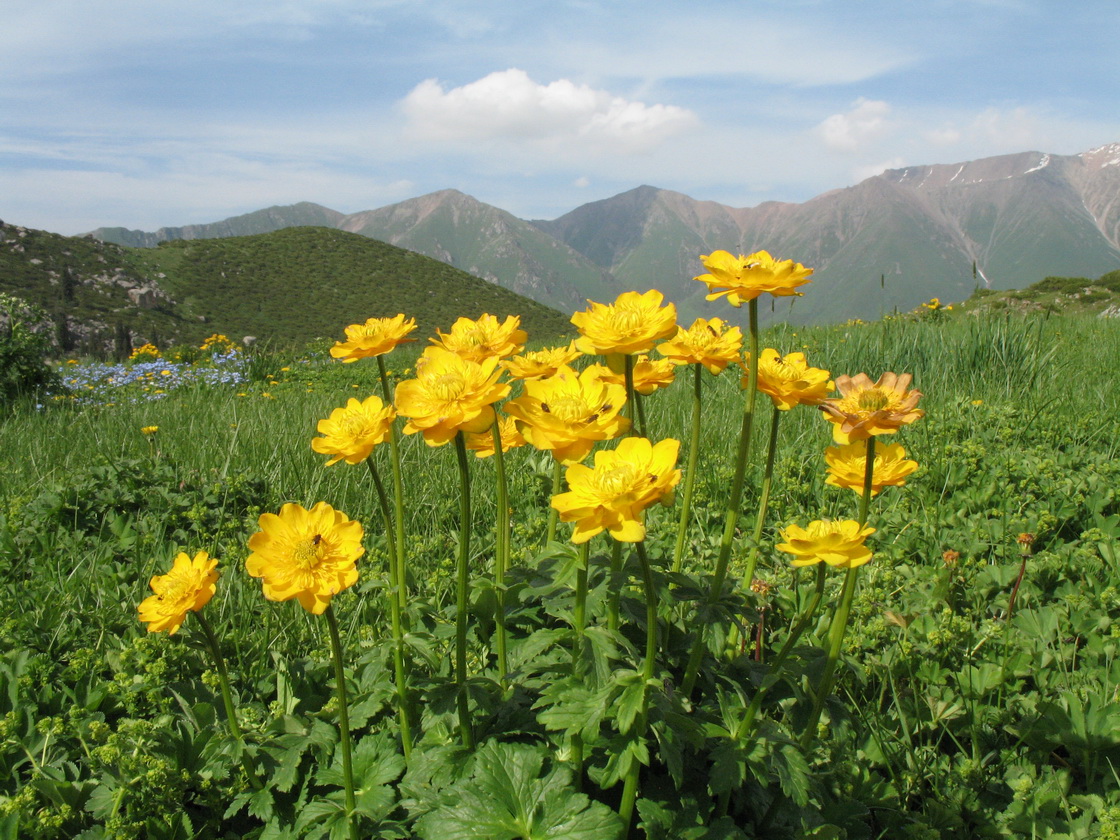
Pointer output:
x,y
537,364
614,495
847,464
789,381
705,343
632,324
482,443
865,408
486,337
305,554
566,413
187,587
450,394
351,432
649,374
744,278
835,543
376,337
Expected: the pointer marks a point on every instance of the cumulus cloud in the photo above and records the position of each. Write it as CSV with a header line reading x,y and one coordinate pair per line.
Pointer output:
x,y
851,131
862,173
511,106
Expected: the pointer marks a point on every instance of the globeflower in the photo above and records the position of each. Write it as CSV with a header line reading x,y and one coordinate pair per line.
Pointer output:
x,y
482,443
744,278
865,408
481,339
450,394
189,586
351,432
614,495
838,544
789,381
847,465
537,364
649,374
568,412
705,343
305,554
632,324
376,337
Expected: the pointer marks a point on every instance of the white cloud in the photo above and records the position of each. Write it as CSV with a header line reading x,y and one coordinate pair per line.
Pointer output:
x,y
582,182
508,105
862,173
851,131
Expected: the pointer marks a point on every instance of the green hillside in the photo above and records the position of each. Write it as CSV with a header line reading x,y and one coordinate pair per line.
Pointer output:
x,y
287,287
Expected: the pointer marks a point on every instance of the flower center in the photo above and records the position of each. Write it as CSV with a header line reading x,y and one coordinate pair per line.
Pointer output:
x,y
308,553
177,588
448,386
569,408
627,320
872,399
617,480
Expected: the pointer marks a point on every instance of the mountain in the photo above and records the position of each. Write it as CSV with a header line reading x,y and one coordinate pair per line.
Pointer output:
x,y
889,242
290,286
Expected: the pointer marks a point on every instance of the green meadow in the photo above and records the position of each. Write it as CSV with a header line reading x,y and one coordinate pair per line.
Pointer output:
x,y
975,693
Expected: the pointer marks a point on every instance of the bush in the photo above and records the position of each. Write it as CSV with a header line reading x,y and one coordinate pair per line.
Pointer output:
x,y
25,332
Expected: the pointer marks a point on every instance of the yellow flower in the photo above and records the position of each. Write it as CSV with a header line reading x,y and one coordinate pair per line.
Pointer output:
x,y
745,278
632,324
481,339
835,543
305,554
148,431
614,494
704,343
482,443
351,433
865,408
376,337
449,394
568,412
188,586
846,466
789,381
649,374
537,364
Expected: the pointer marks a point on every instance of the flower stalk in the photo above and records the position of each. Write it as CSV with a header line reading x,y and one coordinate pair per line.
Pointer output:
x,y
343,720
462,584
689,472
501,551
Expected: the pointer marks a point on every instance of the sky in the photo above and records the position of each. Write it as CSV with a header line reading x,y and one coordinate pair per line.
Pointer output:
x,y
152,113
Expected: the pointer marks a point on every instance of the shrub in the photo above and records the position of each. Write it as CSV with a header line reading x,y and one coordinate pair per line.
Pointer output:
x,y
25,332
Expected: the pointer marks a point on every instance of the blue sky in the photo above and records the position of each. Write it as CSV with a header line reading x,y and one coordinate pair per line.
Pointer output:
x,y
146,113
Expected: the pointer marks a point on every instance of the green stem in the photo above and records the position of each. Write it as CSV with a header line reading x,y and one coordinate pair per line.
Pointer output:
x,y
461,589
501,551
343,720
223,676
640,404
614,597
630,786
401,582
764,498
579,624
690,472
399,673
734,499
631,397
553,513
840,619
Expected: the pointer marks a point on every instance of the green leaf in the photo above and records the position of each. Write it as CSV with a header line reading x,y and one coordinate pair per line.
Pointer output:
x,y
506,798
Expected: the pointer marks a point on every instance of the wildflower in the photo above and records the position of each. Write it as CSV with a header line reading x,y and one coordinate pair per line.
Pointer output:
x,y
148,431
789,381
145,353
481,339
632,324
305,554
189,586
351,432
705,343
977,402
568,412
835,543
649,374
744,278
449,394
376,337
865,408
482,443
950,557
614,495
537,364
847,465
